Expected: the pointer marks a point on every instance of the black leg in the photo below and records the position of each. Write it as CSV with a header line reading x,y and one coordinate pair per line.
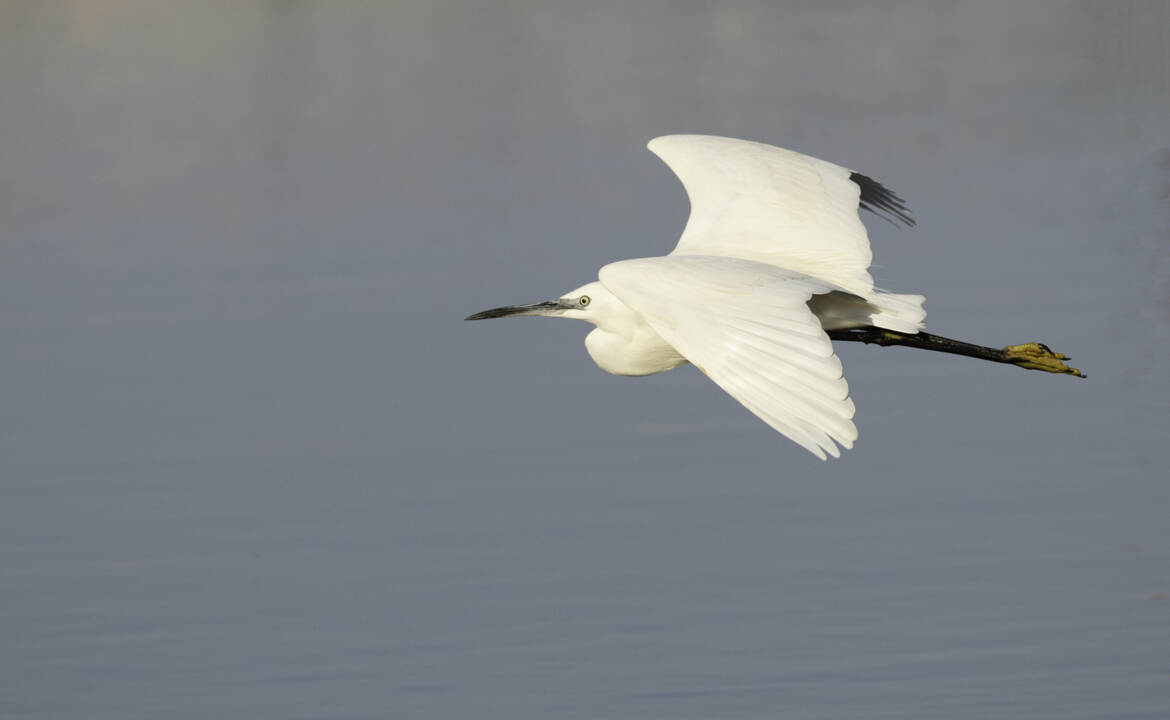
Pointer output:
x,y
1032,356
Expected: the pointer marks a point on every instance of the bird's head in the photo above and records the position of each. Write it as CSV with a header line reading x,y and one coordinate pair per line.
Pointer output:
x,y
590,303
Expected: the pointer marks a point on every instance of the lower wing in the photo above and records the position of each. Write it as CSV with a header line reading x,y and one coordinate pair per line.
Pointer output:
x,y
748,327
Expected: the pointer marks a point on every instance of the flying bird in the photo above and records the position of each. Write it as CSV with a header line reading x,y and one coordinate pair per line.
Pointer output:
x,y
773,265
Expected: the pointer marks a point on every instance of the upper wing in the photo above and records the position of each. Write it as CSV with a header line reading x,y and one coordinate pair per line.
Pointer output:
x,y
775,206
747,325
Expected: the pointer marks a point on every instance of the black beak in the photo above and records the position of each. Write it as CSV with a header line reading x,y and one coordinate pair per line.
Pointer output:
x,y
548,307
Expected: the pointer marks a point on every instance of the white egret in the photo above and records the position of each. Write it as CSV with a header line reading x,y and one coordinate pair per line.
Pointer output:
x,y
773,264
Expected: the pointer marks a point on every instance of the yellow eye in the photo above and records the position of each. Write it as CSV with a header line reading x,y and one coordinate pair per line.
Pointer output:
x,y
583,301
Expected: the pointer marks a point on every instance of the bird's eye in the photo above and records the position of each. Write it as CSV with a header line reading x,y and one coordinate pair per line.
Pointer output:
x,y
583,301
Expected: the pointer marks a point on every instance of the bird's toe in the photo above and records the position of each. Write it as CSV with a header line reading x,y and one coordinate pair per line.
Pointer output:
x,y
1038,356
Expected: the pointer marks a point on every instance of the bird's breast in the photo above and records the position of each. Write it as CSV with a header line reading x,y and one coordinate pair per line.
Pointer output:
x,y
640,351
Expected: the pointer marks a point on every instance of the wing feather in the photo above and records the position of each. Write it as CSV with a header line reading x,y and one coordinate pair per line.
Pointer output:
x,y
775,206
747,325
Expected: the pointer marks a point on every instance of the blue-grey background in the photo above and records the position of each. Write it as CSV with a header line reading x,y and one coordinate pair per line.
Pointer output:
x,y
255,465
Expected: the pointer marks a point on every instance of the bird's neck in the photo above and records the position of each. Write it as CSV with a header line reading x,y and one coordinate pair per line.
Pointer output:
x,y
632,350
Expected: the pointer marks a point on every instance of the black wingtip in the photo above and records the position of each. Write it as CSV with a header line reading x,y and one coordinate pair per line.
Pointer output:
x,y
881,201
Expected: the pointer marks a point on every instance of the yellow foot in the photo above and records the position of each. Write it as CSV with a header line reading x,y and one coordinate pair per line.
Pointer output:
x,y
1038,356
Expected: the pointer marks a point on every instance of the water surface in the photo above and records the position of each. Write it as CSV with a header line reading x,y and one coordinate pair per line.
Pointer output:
x,y
255,466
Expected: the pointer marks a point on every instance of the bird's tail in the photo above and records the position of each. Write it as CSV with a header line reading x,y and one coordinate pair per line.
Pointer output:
x,y
903,313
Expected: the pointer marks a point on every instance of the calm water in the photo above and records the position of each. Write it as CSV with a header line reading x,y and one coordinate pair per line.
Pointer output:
x,y
253,465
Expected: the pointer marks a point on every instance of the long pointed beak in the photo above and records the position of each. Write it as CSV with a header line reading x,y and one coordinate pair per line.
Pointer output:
x,y
548,307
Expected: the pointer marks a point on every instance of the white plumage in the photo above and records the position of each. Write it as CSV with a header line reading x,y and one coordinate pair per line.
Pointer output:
x,y
769,231
748,327
758,202
775,206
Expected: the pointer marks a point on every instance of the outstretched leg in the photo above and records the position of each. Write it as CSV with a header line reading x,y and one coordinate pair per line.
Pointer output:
x,y
1033,356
